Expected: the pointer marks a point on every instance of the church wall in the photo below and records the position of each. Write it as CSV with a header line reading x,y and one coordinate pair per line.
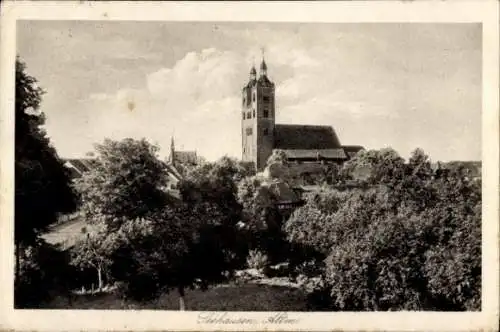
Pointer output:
x,y
265,125
248,126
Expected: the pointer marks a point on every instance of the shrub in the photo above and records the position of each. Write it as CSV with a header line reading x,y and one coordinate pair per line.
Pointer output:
x,y
44,272
410,240
257,260
415,246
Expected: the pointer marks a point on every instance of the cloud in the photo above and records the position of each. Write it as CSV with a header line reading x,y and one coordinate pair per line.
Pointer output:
x,y
199,76
378,85
197,99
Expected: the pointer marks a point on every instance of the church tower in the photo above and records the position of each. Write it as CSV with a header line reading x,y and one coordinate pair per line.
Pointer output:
x,y
258,118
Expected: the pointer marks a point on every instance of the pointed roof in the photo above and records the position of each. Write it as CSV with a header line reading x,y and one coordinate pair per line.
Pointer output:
x,y
263,65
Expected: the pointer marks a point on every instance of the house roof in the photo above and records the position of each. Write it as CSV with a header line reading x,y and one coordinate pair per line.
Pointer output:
x,y
188,157
352,150
173,172
316,154
79,166
305,137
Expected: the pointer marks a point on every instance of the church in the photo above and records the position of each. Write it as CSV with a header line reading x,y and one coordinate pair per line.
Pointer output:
x,y
261,134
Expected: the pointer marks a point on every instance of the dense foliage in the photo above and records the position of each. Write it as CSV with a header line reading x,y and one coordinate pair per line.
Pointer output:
x,y
148,240
210,195
409,241
126,182
262,220
42,183
92,250
44,272
42,187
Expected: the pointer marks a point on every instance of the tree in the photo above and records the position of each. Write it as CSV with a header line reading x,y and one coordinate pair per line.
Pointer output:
x,y
215,183
125,186
412,244
127,182
93,250
277,157
210,192
180,247
154,243
254,198
262,218
411,240
374,167
331,174
42,183
327,219
44,272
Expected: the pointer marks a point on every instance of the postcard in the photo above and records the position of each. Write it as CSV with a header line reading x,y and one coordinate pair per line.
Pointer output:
x,y
246,166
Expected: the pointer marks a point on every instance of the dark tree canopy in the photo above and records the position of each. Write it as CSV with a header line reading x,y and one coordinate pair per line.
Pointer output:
x,y
42,183
42,191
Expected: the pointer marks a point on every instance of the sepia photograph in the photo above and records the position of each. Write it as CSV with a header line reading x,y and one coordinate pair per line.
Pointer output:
x,y
219,166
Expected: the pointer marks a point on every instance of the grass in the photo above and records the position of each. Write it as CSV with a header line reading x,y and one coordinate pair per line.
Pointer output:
x,y
245,297
65,232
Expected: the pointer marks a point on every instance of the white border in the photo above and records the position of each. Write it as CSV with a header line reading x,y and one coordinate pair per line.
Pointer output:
x,y
356,11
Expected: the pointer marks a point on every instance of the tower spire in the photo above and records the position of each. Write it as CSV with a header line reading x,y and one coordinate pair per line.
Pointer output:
x,y
263,66
172,148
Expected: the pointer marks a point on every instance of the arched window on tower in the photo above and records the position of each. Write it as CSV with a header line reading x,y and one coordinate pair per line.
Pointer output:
x,y
243,115
254,113
253,97
266,113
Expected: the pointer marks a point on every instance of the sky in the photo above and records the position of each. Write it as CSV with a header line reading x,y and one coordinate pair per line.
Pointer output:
x,y
405,86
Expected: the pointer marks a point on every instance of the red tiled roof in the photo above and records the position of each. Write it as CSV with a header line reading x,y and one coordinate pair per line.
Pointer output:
x,y
305,137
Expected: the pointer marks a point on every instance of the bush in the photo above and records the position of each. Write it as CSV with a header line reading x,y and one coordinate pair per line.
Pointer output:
x,y
320,299
257,260
44,273
312,268
410,240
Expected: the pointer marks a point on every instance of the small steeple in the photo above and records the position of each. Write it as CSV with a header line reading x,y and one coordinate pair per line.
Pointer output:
x,y
253,73
263,66
172,149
